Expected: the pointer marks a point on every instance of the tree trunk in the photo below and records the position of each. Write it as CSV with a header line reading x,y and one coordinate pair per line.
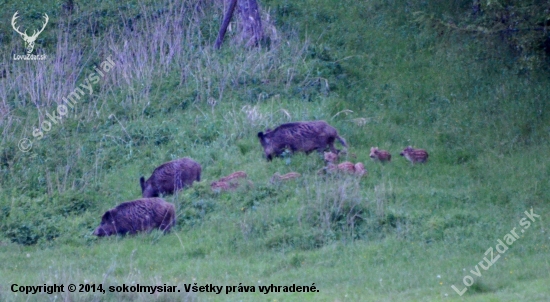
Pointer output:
x,y
250,25
226,20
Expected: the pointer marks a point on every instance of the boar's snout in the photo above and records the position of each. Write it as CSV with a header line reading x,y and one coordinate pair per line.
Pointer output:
x,y
103,230
99,232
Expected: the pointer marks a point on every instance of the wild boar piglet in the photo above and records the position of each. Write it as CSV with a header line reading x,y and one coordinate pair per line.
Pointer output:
x,y
380,155
415,155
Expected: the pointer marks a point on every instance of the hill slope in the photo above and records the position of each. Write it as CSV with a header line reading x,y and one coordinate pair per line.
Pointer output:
x,y
371,69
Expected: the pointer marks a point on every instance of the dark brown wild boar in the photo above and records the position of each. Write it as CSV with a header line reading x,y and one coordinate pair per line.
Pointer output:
x,y
415,155
300,137
170,177
135,216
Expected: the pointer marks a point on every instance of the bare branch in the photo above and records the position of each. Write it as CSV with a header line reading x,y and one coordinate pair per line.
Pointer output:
x,y
225,23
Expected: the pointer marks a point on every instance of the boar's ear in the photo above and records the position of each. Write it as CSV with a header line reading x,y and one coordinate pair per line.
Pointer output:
x,y
109,215
142,183
262,138
106,216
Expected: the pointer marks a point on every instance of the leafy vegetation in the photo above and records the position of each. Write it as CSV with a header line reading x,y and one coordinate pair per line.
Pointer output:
x,y
521,25
455,80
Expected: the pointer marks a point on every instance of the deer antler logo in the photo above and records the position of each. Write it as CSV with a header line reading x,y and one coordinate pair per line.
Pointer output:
x,y
29,41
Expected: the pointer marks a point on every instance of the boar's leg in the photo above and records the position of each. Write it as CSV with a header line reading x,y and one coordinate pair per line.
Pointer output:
x,y
166,224
331,145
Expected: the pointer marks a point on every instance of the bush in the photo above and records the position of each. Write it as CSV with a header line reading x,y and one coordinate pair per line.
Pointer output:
x,y
29,220
522,25
335,206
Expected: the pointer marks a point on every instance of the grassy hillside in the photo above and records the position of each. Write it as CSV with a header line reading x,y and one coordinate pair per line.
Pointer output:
x,y
380,72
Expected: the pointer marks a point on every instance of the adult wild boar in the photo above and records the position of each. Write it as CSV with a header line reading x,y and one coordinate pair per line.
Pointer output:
x,y
131,217
299,136
170,177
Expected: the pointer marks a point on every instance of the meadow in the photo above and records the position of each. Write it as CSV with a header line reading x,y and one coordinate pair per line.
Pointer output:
x,y
384,73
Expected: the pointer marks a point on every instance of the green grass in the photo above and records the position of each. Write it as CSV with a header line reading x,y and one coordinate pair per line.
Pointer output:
x,y
370,69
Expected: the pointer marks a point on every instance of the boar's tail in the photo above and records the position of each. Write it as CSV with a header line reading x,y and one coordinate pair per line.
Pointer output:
x,y
342,141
